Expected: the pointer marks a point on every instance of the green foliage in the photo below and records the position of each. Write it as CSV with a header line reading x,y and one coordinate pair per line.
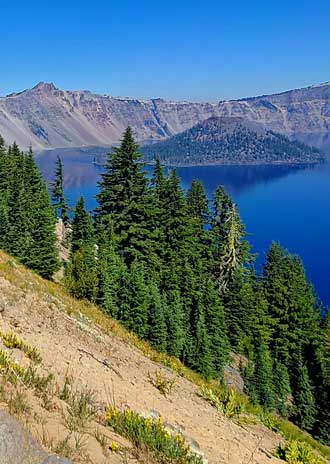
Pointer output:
x,y
225,401
11,340
164,384
229,141
180,276
150,435
27,221
124,197
133,309
57,193
157,334
303,398
81,227
82,409
297,453
81,275
259,378
295,333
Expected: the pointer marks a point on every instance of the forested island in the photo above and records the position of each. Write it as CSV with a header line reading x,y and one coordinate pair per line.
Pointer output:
x,y
178,272
230,140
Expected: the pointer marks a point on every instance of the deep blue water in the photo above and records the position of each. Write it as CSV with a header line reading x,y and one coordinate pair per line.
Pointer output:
x,y
289,204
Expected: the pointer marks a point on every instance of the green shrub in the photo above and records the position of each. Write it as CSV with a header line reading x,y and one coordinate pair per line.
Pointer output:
x,y
226,401
149,435
81,410
164,384
295,452
11,340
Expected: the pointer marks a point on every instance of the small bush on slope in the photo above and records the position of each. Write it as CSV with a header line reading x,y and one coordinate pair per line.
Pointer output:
x,y
149,435
297,453
11,340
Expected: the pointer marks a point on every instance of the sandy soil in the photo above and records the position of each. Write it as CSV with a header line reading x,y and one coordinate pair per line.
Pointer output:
x,y
115,371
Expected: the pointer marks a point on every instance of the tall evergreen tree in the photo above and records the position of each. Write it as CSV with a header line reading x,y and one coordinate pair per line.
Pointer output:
x,y
174,320
322,429
133,310
110,269
156,315
27,214
295,329
264,376
81,227
202,361
216,328
124,195
58,198
81,273
303,398
198,203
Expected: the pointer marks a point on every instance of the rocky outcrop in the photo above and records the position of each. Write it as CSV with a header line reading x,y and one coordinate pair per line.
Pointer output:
x,y
48,117
18,447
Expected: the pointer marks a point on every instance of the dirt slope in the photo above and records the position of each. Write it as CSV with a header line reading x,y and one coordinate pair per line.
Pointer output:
x,y
71,344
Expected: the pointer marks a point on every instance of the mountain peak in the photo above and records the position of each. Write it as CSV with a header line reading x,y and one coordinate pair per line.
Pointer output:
x,y
45,87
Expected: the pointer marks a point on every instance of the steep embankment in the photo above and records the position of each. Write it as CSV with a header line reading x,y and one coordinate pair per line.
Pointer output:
x,y
48,117
76,341
230,141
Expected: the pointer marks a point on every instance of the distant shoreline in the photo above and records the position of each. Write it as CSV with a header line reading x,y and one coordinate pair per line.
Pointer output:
x,y
218,164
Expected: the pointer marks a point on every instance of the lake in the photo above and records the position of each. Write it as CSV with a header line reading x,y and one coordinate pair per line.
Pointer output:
x,y
289,204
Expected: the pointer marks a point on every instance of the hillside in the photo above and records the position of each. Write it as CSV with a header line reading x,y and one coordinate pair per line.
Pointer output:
x,y
76,341
175,274
230,141
48,117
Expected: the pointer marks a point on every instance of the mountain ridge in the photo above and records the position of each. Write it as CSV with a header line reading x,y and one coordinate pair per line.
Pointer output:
x,y
47,117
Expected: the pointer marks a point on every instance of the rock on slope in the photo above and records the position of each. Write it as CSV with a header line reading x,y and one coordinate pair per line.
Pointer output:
x,y
77,341
17,445
48,117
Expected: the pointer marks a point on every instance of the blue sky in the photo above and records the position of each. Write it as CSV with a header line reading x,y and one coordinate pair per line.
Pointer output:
x,y
194,50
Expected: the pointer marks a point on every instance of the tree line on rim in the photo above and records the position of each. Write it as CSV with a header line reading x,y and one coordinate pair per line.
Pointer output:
x,y
180,275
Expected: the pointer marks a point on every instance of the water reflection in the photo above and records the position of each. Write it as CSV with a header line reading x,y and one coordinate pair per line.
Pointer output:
x,y
238,179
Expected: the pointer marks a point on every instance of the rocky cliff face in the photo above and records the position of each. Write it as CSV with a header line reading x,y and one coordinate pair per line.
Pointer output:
x,y
47,117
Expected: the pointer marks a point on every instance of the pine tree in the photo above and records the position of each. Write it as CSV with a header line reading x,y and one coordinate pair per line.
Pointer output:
x,y
81,274
216,328
81,278
263,376
173,311
29,215
275,287
159,181
156,317
110,269
43,254
58,198
303,398
82,227
323,392
175,216
202,360
295,329
291,305
124,196
282,388
198,203
133,310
